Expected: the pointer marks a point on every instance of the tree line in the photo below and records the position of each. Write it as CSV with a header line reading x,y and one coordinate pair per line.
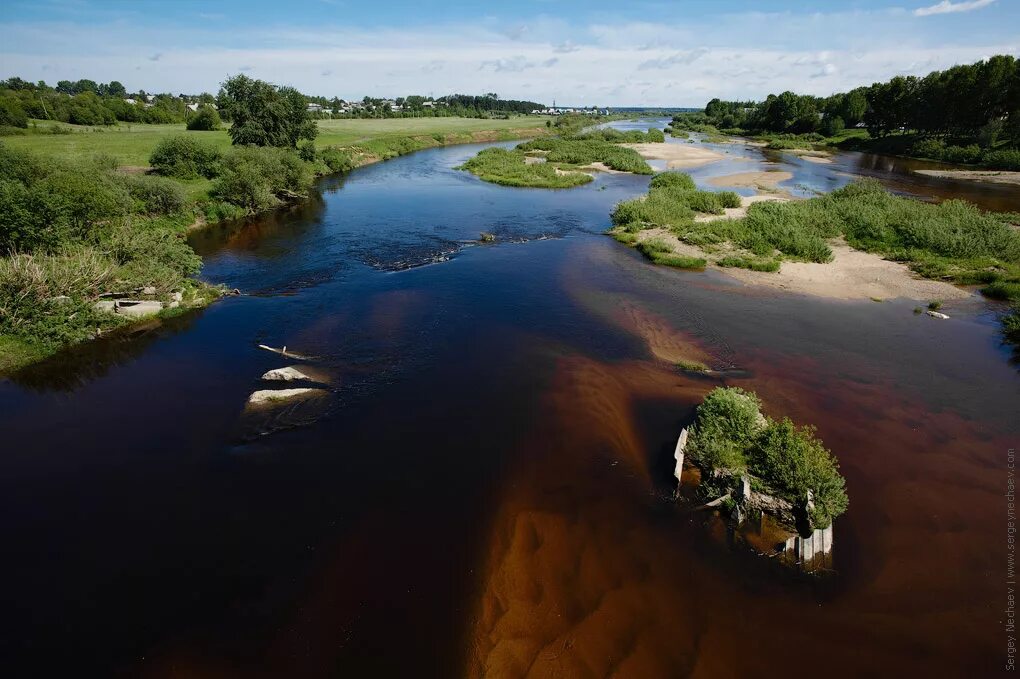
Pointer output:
x,y
86,102
977,102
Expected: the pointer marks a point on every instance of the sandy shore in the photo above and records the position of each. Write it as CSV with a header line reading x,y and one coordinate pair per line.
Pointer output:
x,y
851,275
995,176
676,155
766,181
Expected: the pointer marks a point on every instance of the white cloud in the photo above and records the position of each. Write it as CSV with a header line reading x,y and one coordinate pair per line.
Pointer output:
x,y
738,56
947,7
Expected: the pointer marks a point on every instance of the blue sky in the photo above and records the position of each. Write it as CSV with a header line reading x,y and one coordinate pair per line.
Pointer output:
x,y
584,53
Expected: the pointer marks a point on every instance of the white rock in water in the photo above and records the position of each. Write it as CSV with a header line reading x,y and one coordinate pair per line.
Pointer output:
x,y
287,374
264,396
936,314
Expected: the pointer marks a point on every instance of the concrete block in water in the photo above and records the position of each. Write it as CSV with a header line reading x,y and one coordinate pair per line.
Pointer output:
x,y
678,454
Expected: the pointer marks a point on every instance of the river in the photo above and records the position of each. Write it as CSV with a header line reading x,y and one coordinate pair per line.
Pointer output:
x,y
485,489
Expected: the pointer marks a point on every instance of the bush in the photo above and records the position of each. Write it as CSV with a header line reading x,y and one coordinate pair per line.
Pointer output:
x,y
205,119
677,179
255,178
1006,159
185,157
337,160
12,114
156,195
794,461
962,154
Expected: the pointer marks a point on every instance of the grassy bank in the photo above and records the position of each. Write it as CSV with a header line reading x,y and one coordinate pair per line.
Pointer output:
x,y
559,162
90,214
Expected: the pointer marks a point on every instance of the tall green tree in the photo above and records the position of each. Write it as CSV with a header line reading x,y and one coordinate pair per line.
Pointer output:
x,y
264,114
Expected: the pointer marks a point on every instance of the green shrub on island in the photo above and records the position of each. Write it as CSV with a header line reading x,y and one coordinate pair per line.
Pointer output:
x,y
732,437
185,157
678,179
509,168
608,134
672,200
587,151
751,263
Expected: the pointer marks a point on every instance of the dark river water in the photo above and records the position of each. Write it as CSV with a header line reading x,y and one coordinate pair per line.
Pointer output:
x,y
484,490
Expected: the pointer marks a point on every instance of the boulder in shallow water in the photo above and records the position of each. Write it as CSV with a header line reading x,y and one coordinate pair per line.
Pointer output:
x,y
275,396
288,374
937,314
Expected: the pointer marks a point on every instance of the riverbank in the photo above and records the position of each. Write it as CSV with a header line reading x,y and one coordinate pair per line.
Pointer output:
x,y
130,232
995,176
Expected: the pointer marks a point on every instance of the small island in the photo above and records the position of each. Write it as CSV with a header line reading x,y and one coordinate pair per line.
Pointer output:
x,y
749,466
563,162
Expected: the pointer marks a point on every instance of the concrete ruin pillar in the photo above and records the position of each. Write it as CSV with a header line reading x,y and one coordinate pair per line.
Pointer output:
x,y
745,488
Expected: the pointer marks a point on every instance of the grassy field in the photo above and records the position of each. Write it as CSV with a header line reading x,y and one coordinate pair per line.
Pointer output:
x,y
132,144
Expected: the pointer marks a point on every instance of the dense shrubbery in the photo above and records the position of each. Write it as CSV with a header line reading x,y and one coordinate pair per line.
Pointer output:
x,y
155,195
257,178
672,200
337,160
185,157
732,436
1006,159
71,231
205,119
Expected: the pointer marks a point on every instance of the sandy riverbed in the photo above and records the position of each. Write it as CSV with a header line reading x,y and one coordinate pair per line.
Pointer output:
x,y
676,155
752,180
995,176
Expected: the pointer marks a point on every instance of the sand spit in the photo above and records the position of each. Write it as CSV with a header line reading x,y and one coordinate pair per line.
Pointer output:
x,y
765,181
676,155
994,176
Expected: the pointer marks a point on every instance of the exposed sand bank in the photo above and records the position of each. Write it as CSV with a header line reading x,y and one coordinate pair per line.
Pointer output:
x,y
767,181
601,167
995,176
851,274
676,155
814,157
